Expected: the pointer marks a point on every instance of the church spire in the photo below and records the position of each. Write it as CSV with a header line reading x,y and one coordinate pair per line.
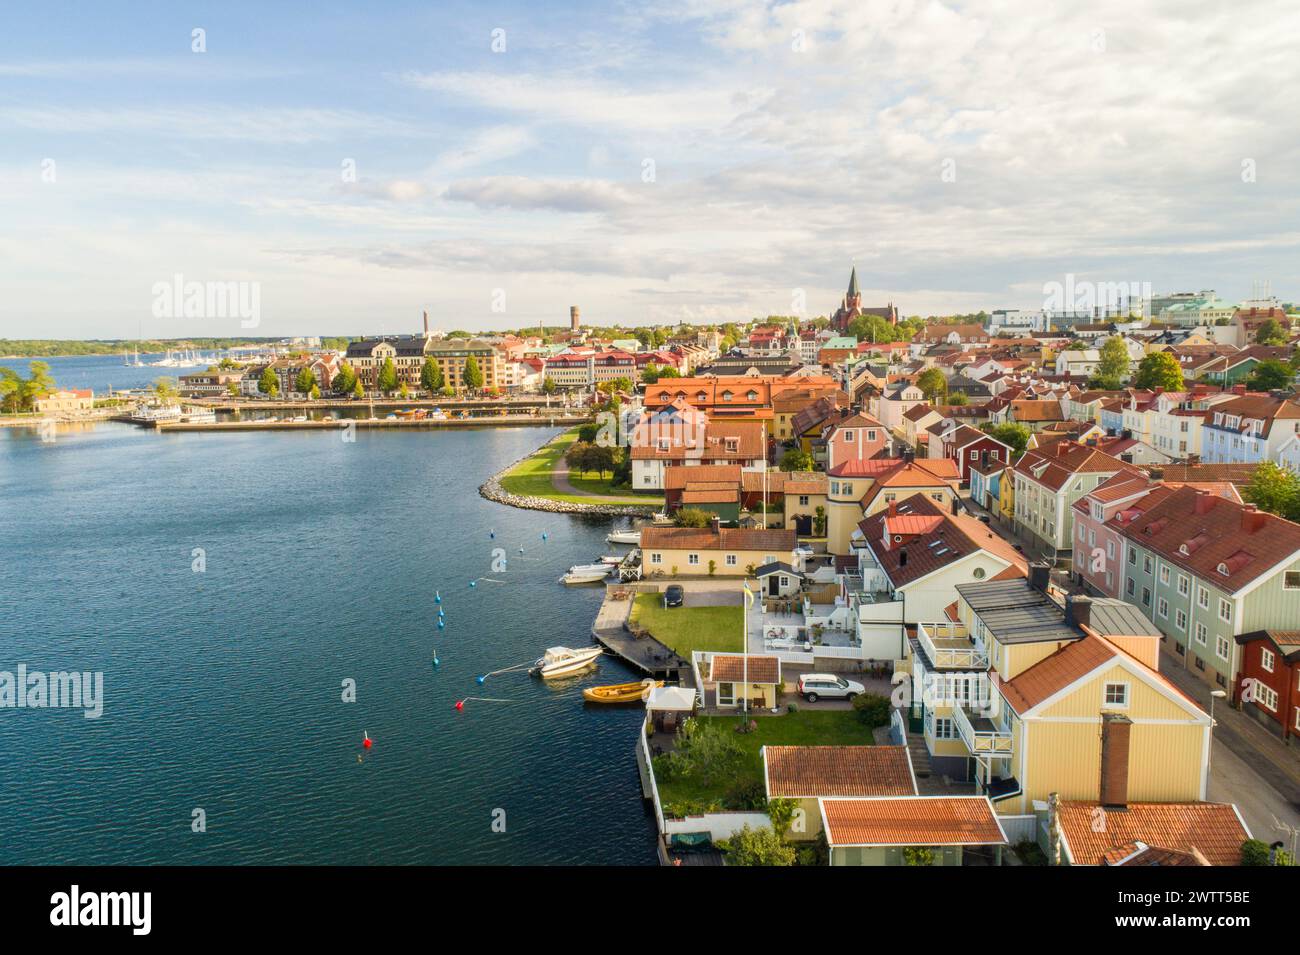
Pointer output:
x,y
853,283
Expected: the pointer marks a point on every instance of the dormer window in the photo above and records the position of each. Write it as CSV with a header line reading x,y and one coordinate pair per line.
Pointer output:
x,y
726,396
1223,569
733,445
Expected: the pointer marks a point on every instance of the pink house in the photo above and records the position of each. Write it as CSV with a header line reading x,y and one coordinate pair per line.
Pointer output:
x,y
857,438
1098,543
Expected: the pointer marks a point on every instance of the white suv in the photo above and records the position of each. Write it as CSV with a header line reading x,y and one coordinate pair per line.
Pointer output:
x,y
815,685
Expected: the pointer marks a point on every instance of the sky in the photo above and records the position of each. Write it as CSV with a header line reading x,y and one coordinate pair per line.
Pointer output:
x,y
492,164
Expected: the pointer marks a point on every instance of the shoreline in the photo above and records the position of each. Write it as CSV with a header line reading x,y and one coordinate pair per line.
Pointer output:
x,y
492,490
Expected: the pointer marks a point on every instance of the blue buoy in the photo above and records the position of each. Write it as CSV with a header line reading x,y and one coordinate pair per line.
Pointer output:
x,y
473,583
441,625
543,535
436,661
440,613
492,534
481,680
437,597
521,550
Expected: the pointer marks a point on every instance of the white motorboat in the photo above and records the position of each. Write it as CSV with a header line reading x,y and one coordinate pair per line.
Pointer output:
x,y
612,559
563,661
623,537
586,573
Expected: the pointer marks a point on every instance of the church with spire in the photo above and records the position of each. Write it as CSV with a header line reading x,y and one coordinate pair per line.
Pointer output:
x,y
851,307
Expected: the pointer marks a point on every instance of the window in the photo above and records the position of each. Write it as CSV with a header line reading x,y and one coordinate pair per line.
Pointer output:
x,y
1116,694
1164,574
1291,580
871,434
1266,659
803,500
835,487
1128,586
1225,611
1184,585
1110,549
1132,557
1200,633
943,728
1264,695
1221,647
974,455
1162,607
1202,598
656,557
978,573
731,560
1146,596
848,435
692,558
1180,620
1146,565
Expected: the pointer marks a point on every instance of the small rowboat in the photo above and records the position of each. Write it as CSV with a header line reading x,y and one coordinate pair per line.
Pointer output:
x,y
620,692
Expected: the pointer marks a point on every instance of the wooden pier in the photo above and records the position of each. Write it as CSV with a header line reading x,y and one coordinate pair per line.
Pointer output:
x,y
645,653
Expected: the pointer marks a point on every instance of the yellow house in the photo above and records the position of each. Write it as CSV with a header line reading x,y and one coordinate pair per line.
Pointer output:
x,y
1007,497
731,679
859,488
1029,698
713,551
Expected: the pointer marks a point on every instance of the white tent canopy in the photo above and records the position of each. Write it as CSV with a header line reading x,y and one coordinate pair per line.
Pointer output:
x,y
671,698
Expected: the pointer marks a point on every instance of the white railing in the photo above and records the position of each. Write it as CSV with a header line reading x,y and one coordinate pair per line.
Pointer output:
x,y
980,742
964,658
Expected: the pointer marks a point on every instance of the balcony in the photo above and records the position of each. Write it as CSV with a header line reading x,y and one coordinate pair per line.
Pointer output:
x,y
948,646
981,736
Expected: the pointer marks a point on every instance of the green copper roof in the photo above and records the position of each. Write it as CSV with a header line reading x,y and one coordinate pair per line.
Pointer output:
x,y
853,282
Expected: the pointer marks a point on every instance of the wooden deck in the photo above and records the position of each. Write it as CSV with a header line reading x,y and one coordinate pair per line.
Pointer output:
x,y
645,653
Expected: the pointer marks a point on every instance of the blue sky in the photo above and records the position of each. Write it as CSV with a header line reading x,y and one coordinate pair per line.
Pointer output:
x,y
787,142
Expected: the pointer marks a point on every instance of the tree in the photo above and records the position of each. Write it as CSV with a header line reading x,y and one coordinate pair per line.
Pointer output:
x,y
314,394
796,459
471,375
1269,375
346,379
918,855
431,377
758,847
232,389
1159,370
692,517
268,383
781,813
1112,368
387,377
958,399
20,394
1010,433
1256,852
1274,489
358,391
165,389
305,381
548,386
1270,332
932,383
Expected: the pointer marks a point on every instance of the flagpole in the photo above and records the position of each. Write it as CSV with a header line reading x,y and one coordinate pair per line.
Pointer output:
x,y
744,645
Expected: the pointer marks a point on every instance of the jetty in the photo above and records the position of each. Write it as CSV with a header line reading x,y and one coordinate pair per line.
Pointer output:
x,y
341,424
643,652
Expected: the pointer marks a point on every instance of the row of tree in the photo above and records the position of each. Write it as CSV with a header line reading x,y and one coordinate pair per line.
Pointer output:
x,y
19,394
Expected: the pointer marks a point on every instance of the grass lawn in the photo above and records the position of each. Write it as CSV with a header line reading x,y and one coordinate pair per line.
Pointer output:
x,y
805,728
688,628
532,477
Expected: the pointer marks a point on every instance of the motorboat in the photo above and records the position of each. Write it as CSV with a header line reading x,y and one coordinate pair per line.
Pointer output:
x,y
620,692
563,661
586,573
623,537
612,560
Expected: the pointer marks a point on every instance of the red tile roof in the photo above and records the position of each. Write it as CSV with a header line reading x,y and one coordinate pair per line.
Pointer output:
x,y
922,523
912,821
807,771
731,668
1212,829
725,538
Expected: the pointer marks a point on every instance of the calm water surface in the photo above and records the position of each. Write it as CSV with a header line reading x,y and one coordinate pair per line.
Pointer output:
x,y
222,688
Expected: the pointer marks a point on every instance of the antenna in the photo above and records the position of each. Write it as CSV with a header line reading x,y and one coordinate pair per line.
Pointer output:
x,y
1290,830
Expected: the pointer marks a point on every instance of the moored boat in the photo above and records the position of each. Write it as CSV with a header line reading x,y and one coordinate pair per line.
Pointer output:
x,y
586,573
620,692
563,661
623,537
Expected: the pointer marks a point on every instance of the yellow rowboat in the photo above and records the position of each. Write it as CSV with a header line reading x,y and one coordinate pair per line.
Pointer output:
x,y
620,692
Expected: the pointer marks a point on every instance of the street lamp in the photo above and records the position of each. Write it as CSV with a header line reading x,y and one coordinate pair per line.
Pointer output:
x,y
1214,695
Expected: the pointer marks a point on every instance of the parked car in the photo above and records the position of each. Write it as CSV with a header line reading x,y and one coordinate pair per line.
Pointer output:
x,y
674,595
813,686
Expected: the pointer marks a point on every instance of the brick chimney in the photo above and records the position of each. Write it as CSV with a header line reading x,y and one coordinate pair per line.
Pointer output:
x,y
1114,760
1078,611
893,508
1039,574
715,523
1252,518
1204,502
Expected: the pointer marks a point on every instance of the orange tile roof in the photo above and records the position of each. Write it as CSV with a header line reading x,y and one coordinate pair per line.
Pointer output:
x,y
1054,672
731,668
678,476
1213,829
806,771
912,821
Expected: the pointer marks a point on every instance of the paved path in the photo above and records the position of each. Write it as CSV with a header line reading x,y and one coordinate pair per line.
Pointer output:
x,y
1248,765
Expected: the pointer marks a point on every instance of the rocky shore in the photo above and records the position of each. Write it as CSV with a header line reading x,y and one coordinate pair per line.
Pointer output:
x,y
493,491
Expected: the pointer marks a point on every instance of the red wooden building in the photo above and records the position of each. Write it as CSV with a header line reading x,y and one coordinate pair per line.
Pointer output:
x,y
1268,684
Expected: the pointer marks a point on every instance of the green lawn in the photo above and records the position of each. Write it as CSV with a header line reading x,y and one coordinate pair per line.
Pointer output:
x,y
532,477
689,628
805,728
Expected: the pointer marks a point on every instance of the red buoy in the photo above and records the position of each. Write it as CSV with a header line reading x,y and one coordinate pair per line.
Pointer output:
x,y
365,742
460,704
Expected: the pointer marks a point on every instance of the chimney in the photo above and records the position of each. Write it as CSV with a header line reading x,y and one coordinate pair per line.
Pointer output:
x,y
1238,389
715,523
1078,611
1204,501
426,324
1252,519
902,558
1193,459
574,321
893,508
956,505
1114,760
1039,574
